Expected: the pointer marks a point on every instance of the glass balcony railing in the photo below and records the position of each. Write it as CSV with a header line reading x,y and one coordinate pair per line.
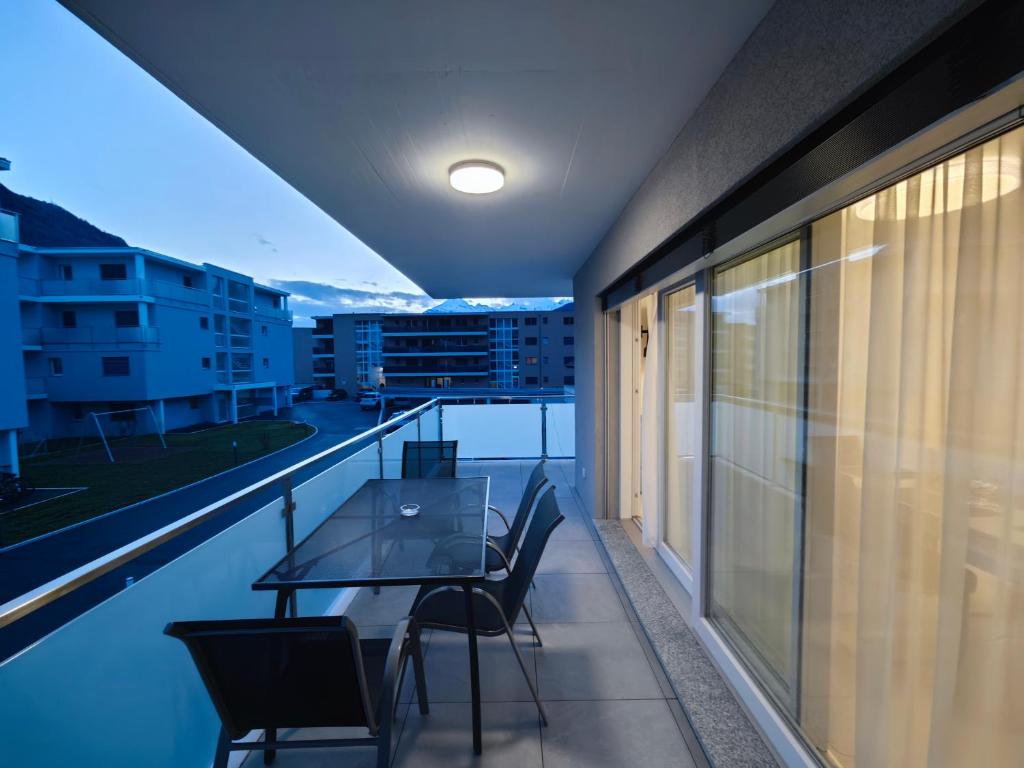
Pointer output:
x,y
86,287
274,312
132,695
9,226
31,337
100,336
35,386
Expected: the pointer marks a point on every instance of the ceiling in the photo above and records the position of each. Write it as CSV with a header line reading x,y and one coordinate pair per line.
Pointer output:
x,y
363,107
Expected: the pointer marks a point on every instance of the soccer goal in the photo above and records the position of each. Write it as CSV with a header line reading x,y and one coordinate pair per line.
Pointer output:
x,y
129,434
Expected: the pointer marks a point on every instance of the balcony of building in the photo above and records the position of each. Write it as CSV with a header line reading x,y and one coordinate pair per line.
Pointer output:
x,y
8,226
98,337
137,698
85,290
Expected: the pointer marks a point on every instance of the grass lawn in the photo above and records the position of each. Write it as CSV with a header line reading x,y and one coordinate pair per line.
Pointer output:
x,y
144,471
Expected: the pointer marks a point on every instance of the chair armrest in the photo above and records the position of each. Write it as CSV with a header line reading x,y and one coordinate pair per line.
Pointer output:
x,y
500,514
393,664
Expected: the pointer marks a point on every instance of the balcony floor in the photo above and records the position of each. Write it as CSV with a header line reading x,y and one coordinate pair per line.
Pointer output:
x,y
607,698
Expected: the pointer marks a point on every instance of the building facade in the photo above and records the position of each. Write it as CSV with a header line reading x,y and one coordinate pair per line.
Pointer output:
x,y
509,351
13,405
113,329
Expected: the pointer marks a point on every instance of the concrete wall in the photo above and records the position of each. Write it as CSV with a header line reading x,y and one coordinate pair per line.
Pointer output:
x,y
804,61
302,356
345,353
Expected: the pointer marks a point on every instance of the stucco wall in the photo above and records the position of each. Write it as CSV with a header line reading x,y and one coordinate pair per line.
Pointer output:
x,y
804,61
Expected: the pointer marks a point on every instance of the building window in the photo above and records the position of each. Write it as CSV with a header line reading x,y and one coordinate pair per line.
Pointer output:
x,y
569,341
531,380
116,366
186,280
204,322
56,366
569,361
193,403
126,318
545,379
263,330
545,321
266,362
206,363
77,412
68,319
531,360
113,272
569,380
530,341
66,272
568,321
545,341
530,321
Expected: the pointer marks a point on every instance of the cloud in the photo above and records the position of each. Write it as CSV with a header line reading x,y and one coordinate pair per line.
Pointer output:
x,y
309,298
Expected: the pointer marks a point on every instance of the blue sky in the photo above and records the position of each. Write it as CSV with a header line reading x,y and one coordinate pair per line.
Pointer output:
x,y
87,129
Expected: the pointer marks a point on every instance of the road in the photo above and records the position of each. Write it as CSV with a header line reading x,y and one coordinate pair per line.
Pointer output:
x,y
26,566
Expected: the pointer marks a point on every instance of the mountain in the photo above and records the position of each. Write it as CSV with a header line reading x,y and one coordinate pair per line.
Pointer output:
x,y
47,225
452,306
462,306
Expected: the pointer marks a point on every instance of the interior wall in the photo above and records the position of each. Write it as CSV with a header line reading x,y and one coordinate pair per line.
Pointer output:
x,y
804,61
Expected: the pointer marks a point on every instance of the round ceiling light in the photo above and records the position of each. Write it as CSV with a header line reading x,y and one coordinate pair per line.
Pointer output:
x,y
476,177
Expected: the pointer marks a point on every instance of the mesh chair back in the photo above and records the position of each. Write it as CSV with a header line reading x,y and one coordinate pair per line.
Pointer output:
x,y
280,673
545,519
429,458
533,486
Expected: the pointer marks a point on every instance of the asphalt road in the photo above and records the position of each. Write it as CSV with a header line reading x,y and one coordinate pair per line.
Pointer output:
x,y
26,566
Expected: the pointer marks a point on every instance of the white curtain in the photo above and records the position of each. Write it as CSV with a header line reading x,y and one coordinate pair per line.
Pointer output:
x,y
913,642
682,420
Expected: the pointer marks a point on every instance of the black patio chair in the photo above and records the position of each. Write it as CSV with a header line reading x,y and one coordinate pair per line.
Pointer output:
x,y
501,548
429,458
269,674
496,603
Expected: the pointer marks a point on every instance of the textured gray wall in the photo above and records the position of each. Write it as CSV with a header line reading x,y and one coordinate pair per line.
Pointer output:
x,y
805,60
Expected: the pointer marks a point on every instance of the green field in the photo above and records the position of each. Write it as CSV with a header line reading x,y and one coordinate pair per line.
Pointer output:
x,y
142,470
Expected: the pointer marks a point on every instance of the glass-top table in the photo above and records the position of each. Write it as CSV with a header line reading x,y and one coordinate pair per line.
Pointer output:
x,y
368,542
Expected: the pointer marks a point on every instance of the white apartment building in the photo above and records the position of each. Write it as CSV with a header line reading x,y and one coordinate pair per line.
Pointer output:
x,y
104,329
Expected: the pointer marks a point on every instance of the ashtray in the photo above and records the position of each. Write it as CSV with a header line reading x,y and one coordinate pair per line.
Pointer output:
x,y
409,510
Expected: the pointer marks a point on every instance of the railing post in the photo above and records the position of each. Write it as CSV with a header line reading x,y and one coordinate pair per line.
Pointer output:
x,y
380,455
418,438
543,430
440,421
288,513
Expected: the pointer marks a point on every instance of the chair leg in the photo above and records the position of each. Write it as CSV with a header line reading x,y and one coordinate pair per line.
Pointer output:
x,y
384,744
522,666
220,759
270,754
529,618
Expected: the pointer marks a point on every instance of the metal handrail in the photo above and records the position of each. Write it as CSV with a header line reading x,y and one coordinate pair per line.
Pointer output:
x,y
43,595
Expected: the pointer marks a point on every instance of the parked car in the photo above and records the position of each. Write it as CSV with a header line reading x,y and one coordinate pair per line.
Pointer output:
x,y
300,394
368,401
338,394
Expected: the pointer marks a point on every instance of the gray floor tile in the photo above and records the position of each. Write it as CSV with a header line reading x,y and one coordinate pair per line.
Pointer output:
x,y
565,597
572,529
501,679
388,607
613,734
443,739
589,662
571,557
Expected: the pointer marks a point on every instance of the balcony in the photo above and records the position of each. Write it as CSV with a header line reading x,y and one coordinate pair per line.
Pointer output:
x,y
165,289
88,290
100,337
274,313
441,348
31,337
111,673
9,226
35,387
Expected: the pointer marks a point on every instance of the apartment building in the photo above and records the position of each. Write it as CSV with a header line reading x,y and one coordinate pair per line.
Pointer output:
x,y
512,350
13,409
107,328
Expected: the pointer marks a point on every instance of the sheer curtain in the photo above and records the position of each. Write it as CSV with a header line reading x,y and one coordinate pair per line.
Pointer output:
x,y
913,641
681,420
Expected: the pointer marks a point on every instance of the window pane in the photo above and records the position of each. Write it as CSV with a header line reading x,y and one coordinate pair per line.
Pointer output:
x,y
754,471
914,596
682,438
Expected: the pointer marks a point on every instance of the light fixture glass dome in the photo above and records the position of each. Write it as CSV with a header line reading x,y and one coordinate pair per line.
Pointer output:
x,y
476,177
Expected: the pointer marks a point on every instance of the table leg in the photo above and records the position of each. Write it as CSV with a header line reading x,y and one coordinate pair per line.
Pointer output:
x,y
284,597
474,670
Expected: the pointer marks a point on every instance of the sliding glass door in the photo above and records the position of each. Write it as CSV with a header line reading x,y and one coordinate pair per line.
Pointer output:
x,y
866,490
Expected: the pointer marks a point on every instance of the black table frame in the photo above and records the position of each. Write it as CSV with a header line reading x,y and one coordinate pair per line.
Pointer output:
x,y
286,591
